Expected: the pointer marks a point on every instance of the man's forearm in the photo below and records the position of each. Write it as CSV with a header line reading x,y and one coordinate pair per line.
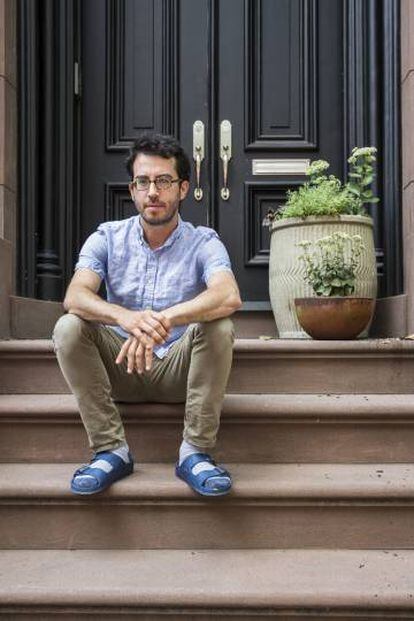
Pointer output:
x,y
90,306
212,304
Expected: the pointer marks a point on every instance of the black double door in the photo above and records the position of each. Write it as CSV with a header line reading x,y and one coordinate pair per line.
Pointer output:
x,y
272,69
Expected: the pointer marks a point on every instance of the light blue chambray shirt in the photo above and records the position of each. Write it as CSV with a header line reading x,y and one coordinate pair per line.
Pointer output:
x,y
139,278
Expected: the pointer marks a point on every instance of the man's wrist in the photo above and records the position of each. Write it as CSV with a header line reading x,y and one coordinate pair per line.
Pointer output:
x,y
171,315
117,313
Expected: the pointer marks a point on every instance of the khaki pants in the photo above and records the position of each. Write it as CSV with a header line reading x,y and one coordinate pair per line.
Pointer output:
x,y
195,370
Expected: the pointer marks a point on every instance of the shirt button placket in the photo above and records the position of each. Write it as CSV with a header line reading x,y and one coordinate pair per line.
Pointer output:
x,y
150,280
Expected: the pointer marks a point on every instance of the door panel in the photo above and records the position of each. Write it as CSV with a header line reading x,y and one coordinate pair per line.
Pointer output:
x,y
135,71
285,104
281,74
194,88
138,75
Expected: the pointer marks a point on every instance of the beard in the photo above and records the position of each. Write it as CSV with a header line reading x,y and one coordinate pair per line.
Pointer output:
x,y
156,220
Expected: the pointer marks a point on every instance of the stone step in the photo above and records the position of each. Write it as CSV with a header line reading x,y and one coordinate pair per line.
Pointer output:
x,y
260,366
199,585
254,429
271,506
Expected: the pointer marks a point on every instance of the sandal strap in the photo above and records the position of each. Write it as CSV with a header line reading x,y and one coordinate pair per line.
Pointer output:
x,y
89,469
204,475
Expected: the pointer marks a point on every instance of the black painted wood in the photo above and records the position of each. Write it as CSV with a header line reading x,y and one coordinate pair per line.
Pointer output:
x,y
49,273
132,83
362,22
48,146
297,78
28,61
141,64
391,195
281,118
212,87
373,117
302,43
213,138
259,198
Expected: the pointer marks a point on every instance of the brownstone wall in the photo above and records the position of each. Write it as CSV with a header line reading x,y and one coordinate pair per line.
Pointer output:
x,y
407,98
8,158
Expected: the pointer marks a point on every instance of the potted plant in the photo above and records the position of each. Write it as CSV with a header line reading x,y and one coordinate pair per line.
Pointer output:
x,y
319,208
331,266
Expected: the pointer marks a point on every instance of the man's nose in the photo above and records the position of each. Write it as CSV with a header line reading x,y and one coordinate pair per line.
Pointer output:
x,y
152,190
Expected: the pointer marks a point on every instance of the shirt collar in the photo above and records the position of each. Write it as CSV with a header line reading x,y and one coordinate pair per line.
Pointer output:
x,y
177,232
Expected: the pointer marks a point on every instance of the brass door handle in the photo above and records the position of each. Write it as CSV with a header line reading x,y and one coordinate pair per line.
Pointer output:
x,y
198,155
225,192
225,154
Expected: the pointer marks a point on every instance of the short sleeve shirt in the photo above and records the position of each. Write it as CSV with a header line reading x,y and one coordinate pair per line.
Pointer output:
x,y
139,278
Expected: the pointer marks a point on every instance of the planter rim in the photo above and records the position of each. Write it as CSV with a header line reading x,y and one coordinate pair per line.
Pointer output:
x,y
288,222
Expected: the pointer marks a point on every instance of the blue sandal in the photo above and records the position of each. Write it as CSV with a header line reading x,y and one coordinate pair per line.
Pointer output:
x,y
104,469
207,480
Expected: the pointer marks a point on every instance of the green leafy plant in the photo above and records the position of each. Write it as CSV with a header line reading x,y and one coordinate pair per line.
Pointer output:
x,y
331,268
361,175
325,195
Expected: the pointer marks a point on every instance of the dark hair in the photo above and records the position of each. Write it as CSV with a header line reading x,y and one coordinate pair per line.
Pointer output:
x,y
162,145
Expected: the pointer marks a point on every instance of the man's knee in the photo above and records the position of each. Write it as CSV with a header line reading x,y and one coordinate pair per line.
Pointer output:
x,y
220,331
68,330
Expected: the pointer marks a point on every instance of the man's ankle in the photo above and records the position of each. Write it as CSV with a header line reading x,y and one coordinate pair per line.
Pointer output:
x,y
187,449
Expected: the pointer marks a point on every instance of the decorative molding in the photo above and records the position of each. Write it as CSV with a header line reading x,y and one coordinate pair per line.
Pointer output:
x,y
164,50
391,149
115,64
48,146
213,120
372,114
118,203
48,264
170,65
28,63
361,25
259,198
305,137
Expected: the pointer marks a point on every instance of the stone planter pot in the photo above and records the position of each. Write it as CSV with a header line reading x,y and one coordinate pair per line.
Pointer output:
x,y
286,272
334,318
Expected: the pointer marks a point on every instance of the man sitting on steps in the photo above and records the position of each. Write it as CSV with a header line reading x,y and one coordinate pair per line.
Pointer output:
x,y
164,333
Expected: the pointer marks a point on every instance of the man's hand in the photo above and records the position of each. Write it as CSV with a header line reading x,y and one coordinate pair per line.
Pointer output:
x,y
150,323
138,353
147,328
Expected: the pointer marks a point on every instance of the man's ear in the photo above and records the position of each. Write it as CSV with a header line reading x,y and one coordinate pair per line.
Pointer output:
x,y
184,187
131,190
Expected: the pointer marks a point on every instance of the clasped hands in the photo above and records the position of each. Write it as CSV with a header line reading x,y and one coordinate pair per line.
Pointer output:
x,y
146,328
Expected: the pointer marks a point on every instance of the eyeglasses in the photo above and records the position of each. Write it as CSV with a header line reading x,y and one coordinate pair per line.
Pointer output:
x,y
162,182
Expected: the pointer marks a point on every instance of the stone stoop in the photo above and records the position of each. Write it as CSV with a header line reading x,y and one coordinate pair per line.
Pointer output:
x,y
352,506
319,439
384,366
200,585
278,428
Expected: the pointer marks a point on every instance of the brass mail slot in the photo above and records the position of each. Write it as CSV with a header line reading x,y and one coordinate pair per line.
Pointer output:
x,y
280,167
